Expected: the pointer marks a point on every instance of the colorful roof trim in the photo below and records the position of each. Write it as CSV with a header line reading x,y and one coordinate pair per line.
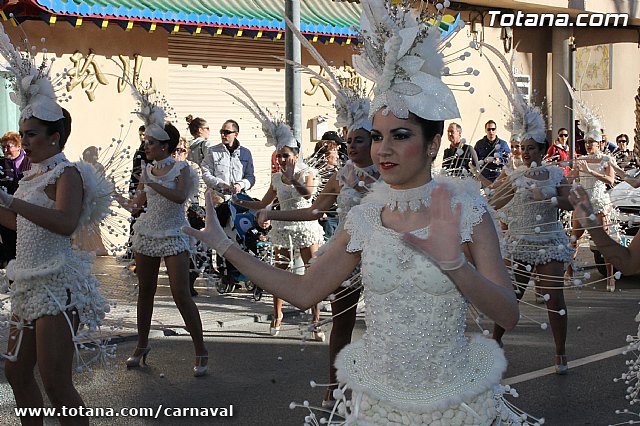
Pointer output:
x,y
318,17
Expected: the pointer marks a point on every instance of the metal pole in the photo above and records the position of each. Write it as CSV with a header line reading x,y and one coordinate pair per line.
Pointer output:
x,y
292,76
572,77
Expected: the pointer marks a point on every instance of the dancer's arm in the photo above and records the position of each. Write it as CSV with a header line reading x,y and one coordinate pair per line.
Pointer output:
x,y
7,218
502,192
268,198
322,278
626,260
607,177
487,285
136,202
289,177
63,218
323,203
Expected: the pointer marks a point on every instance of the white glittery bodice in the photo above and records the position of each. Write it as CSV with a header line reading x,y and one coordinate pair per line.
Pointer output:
x,y
288,197
596,189
415,316
530,219
414,352
163,217
36,246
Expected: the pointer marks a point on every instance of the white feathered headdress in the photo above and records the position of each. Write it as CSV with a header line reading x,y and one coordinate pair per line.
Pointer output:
x,y
278,132
401,54
33,90
352,107
588,121
152,110
525,120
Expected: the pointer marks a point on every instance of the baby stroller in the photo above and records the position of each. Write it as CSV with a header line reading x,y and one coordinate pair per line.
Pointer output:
x,y
241,224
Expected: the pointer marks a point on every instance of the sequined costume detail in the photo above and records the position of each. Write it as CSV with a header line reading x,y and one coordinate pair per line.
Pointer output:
x,y
158,230
302,233
535,235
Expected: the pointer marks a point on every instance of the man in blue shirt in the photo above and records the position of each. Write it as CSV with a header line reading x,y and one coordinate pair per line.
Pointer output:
x,y
493,152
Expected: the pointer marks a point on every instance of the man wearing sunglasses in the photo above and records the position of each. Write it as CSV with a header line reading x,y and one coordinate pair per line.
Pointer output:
x,y
624,156
558,153
493,152
228,167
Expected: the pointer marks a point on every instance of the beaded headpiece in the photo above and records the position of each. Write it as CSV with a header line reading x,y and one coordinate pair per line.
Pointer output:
x,y
152,111
525,120
588,121
402,54
278,132
33,90
352,106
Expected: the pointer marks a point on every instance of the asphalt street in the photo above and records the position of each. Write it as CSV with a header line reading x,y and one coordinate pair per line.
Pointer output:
x,y
260,375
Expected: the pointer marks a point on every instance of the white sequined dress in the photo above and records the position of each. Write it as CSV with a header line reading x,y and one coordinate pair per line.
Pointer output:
x,y
414,364
535,235
302,233
158,231
596,189
49,276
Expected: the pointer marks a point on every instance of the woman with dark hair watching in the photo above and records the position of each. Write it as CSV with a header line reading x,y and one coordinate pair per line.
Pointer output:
x,y
53,291
165,185
200,131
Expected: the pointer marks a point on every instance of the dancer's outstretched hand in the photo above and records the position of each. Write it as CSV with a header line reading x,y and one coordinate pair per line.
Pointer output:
x,y
583,209
443,244
212,233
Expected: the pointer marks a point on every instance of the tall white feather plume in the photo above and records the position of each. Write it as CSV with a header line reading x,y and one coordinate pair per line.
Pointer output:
x,y
152,110
276,130
588,121
525,120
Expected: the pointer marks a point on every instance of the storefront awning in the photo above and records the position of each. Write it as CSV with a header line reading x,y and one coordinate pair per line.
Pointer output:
x,y
323,18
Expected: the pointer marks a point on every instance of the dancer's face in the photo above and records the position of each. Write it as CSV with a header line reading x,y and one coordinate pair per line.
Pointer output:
x,y
359,147
36,143
592,146
154,149
283,155
400,152
531,153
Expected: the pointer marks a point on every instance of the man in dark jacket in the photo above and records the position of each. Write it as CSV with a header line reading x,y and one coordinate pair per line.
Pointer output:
x,y
459,154
493,152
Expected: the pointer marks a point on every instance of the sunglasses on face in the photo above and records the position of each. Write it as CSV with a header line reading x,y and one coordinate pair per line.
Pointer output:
x,y
225,132
563,135
181,150
622,141
491,129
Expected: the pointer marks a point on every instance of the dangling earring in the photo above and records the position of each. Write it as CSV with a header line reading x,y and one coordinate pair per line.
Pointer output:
x,y
53,143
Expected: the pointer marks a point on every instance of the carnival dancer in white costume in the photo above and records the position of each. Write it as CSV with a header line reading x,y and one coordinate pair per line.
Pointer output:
x,y
594,172
414,364
53,290
535,239
345,188
294,186
165,185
